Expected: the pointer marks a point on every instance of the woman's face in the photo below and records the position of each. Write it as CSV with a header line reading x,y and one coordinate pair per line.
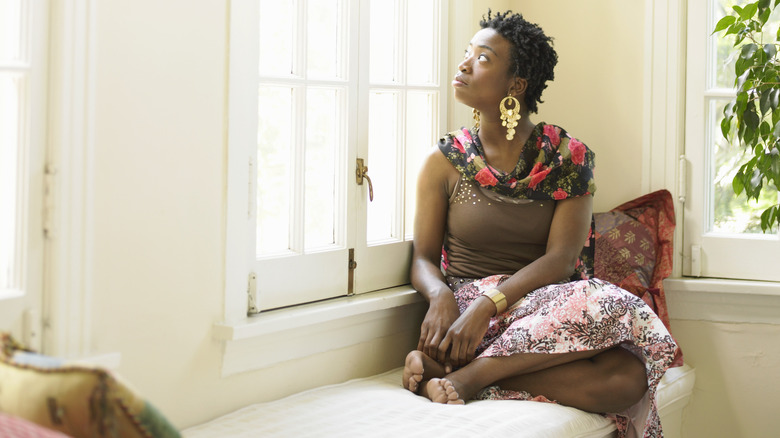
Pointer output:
x,y
483,77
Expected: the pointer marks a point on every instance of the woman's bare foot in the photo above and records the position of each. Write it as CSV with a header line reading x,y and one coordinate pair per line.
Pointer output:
x,y
418,367
442,391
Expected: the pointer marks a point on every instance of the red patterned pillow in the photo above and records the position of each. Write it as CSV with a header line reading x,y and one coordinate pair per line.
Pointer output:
x,y
634,248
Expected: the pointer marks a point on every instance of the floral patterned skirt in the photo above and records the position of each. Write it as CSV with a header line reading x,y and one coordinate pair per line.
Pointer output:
x,y
577,316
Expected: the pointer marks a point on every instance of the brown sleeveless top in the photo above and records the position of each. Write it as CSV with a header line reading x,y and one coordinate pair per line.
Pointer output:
x,y
490,234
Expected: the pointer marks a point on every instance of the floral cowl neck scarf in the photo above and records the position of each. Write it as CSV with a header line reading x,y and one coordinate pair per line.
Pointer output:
x,y
552,165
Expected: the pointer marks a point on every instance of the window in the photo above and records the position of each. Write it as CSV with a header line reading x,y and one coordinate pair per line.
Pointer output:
x,y
22,123
318,87
722,235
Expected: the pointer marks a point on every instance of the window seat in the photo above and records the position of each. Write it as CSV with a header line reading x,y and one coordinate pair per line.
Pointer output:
x,y
379,406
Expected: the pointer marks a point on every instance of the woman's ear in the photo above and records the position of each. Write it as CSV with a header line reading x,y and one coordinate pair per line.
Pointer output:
x,y
518,87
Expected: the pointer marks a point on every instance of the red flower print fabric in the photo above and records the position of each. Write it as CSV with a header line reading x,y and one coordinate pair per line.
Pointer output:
x,y
550,160
485,178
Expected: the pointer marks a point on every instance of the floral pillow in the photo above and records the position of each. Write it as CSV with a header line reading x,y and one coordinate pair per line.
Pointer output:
x,y
77,400
634,248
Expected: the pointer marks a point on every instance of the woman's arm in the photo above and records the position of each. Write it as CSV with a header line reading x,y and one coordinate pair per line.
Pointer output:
x,y
435,183
568,231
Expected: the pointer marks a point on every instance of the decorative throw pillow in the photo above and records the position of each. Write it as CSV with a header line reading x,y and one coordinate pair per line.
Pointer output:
x,y
77,400
634,249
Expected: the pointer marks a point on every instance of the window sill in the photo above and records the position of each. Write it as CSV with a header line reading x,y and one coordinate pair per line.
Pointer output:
x,y
269,338
720,300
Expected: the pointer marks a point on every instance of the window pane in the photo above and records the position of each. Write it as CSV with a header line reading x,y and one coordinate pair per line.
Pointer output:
x,y
721,71
383,147
382,65
325,39
277,30
732,213
421,129
322,152
421,42
274,169
9,161
11,30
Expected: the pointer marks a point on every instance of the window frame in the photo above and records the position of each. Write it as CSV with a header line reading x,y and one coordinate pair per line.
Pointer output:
x,y
708,253
22,300
241,275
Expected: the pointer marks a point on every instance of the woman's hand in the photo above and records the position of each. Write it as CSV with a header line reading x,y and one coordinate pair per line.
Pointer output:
x,y
442,312
465,334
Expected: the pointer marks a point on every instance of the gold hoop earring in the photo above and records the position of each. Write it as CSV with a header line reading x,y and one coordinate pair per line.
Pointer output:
x,y
476,117
509,117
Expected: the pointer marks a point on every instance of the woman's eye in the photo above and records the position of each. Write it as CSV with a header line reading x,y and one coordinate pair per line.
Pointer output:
x,y
482,56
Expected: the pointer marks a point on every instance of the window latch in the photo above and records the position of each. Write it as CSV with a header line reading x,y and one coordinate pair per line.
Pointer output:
x,y
362,172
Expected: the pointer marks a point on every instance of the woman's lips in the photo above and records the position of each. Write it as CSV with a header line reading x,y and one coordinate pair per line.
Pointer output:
x,y
458,82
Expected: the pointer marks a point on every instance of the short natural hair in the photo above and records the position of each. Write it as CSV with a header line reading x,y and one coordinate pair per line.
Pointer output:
x,y
533,57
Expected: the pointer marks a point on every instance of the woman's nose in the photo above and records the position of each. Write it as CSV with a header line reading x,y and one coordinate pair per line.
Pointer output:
x,y
463,66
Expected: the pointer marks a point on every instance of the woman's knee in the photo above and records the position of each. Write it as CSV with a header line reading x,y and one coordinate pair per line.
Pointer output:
x,y
624,380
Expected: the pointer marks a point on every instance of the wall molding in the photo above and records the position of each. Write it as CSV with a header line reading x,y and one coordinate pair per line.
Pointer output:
x,y
664,105
277,336
717,300
68,276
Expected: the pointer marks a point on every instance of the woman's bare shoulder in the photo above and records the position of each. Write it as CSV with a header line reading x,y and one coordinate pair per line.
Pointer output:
x,y
438,171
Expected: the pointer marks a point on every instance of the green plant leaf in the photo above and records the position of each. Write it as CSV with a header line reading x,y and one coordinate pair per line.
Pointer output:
x,y
770,50
763,4
765,129
736,184
724,22
777,129
748,11
741,79
769,217
728,110
763,15
756,182
751,118
748,50
737,28
725,126
764,101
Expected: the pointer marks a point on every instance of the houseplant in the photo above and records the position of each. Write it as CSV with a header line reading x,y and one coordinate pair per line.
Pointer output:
x,y
752,119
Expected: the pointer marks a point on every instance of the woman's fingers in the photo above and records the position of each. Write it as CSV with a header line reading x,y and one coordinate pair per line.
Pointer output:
x,y
423,339
441,351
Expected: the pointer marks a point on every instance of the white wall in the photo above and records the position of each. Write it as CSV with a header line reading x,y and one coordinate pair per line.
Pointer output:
x,y
737,387
159,200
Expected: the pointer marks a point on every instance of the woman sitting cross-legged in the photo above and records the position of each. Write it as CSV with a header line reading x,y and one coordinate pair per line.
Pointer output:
x,y
504,208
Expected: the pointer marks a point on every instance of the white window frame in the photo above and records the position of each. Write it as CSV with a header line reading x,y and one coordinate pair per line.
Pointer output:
x,y
241,159
709,253
22,300
348,320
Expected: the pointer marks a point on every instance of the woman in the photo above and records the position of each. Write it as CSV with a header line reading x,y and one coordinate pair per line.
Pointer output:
x,y
510,202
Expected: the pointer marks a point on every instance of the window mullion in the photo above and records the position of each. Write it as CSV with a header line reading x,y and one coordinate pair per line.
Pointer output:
x,y
298,182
